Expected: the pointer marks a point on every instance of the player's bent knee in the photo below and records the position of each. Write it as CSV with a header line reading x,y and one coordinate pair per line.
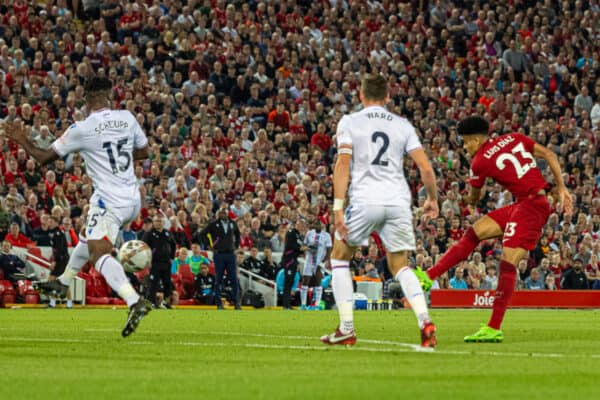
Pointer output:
x,y
513,255
98,248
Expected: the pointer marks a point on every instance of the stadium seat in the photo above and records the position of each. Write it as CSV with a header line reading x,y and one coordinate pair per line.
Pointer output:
x,y
187,281
97,300
117,301
32,297
24,286
187,302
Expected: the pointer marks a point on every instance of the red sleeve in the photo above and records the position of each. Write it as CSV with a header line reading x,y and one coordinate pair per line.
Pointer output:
x,y
476,174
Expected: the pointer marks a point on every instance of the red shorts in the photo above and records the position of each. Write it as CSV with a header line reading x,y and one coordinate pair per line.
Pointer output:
x,y
522,222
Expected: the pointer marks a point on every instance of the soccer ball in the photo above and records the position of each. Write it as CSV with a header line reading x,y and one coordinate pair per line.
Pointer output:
x,y
135,255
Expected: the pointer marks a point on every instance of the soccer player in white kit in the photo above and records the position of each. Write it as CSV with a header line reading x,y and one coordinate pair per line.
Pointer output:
x,y
371,145
109,142
319,248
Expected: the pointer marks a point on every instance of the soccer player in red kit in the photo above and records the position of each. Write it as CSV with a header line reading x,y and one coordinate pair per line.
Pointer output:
x,y
510,161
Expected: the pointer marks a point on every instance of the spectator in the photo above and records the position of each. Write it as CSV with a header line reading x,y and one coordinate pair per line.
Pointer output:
x,y
534,281
180,259
16,238
252,263
41,235
269,267
10,263
515,62
205,286
574,278
550,284
490,280
458,281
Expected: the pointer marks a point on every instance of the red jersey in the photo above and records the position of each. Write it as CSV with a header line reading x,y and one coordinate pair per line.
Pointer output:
x,y
509,160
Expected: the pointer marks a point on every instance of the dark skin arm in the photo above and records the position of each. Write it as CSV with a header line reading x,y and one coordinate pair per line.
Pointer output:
x,y
16,131
141,154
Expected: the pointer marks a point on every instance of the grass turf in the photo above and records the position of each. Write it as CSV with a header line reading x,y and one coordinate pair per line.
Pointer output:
x,y
184,354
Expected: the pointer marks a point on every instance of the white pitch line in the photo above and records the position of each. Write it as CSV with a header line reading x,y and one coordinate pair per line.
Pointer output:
x,y
312,348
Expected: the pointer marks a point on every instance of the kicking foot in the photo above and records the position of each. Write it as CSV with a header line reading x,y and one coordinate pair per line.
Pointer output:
x,y
424,279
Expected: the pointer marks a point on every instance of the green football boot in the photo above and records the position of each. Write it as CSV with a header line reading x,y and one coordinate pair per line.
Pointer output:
x,y
485,334
424,280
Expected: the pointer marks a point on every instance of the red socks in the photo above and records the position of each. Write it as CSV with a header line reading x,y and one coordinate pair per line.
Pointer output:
x,y
506,286
457,253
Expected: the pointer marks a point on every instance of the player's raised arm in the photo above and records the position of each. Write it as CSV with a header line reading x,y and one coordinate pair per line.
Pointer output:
x,y
17,132
564,196
430,208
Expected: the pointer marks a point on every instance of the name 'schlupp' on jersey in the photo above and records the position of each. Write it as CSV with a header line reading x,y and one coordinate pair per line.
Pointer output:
x,y
106,140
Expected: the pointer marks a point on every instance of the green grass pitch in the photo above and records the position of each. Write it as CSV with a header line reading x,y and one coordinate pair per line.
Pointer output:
x,y
190,354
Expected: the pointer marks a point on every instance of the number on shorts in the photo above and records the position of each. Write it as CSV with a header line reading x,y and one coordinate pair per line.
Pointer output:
x,y
93,218
382,149
112,159
521,169
509,230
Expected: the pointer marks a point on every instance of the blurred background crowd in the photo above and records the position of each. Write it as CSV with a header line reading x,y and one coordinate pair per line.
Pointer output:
x,y
240,102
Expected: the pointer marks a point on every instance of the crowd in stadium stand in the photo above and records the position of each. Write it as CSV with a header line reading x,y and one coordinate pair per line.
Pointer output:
x,y
240,102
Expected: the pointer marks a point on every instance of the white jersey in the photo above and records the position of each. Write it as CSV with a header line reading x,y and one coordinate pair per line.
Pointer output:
x,y
379,141
106,140
317,244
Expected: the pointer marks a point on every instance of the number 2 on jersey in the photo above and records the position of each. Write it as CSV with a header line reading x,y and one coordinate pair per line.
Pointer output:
x,y
521,169
382,149
111,156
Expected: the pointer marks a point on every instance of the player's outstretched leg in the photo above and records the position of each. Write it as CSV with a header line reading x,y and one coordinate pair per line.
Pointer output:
x,y
457,253
59,287
343,292
415,296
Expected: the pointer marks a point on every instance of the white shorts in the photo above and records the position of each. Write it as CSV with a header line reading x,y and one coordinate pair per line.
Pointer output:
x,y
310,269
104,223
393,224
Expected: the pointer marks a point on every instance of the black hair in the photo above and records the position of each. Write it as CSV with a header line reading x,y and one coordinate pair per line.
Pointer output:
x,y
97,84
473,125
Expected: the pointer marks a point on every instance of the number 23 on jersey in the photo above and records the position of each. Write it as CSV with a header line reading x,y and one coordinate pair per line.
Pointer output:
x,y
521,168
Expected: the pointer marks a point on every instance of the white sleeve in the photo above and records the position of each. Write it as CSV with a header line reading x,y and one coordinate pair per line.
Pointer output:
x,y
328,240
306,238
139,137
342,134
412,140
70,141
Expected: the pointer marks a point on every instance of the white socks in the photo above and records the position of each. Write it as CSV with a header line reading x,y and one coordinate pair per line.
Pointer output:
x,y
414,294
303,294
79,257
317,294
343,292
113,272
